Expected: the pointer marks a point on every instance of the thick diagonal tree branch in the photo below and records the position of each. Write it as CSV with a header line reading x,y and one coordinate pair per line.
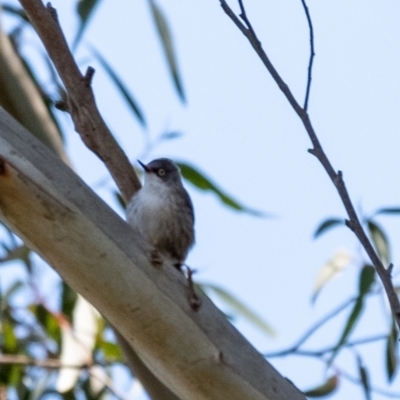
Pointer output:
x,y
97,137
337,177
197,355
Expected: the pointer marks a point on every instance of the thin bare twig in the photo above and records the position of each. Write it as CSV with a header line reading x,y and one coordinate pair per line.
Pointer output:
x,y
337,177
49,363
312,54
318,353
324,320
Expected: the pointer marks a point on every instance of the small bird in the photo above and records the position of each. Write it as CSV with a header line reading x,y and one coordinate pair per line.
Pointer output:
x,y
163,212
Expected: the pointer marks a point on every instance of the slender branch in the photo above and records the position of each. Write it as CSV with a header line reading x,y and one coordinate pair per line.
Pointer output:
x,y
337,177
318,353
323,320
81,103
312,54
54,363
49,363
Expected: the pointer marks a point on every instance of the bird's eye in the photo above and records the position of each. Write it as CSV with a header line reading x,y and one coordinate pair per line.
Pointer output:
x,y
161,172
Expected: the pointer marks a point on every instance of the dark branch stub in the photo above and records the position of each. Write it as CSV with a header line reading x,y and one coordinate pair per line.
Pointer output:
x,y
52,11
87,79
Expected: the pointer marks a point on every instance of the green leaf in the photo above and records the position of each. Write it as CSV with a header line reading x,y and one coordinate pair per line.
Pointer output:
x,y
47,320
328,387
364,378
392,342
121,87
200,181
326,225
170,135
239,307
380,241
168,46
85,9
9,342
68,300
388,210
112,352
366,280
17,11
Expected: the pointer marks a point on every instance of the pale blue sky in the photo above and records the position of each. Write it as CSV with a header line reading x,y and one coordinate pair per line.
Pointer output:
x,y
239,129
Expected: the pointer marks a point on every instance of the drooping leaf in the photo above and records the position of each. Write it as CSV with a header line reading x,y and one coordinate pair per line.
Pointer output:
x,y
68,300
239,307
85,9
200,181
111,351
170,135
47,320
391,354
164,33
9,342
17,11
380,241
126,94
364,378
367,277
340,260
388,211
328,387
326,225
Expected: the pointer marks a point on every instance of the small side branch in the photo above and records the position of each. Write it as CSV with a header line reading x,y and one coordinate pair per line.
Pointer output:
x,y
312,54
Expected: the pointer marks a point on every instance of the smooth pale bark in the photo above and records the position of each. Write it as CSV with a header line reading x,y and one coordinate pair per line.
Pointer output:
x,y
198,355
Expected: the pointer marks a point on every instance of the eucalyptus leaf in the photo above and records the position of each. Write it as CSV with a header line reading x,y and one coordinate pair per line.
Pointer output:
x,y
68,300
164,33
126,94
326,225
85,9
366,280
364,378
16,11
239,307
199,180
388,211
391,353
380,241
328,387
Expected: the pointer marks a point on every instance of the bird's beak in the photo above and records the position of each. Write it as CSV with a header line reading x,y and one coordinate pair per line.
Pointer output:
x,y
144,166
